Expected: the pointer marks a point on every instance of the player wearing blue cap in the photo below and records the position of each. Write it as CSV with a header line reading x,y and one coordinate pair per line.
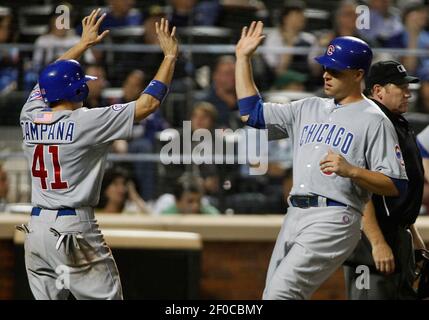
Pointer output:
x,y
344,149
66,146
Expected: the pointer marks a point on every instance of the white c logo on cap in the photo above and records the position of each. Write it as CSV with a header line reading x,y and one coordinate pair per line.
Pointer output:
x,y
330,50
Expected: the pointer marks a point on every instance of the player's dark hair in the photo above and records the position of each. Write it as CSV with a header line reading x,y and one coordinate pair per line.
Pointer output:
x,y
54,104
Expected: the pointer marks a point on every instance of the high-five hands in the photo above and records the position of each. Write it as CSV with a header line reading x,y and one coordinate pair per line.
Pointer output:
x,y
251,38
90,26
167,39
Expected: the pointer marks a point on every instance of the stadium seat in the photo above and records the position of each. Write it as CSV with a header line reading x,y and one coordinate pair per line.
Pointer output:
x,y
247,203
235,17
33,21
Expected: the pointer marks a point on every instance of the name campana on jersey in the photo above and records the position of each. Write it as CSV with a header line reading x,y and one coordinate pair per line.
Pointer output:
x,y
58,131
327,133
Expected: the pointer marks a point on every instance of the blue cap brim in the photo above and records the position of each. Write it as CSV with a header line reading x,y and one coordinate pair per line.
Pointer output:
x,y
330,63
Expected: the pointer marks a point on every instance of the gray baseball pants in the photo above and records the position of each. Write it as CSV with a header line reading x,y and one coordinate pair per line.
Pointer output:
x,y
312,244
67,253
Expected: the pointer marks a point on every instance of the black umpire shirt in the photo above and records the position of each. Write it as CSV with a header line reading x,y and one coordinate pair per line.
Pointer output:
x,y
394,212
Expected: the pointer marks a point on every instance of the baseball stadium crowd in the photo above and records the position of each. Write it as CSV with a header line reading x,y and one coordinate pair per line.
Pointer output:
x,y
203,89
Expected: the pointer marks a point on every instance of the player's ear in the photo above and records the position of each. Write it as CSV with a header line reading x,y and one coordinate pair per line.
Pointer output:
x,y
360,74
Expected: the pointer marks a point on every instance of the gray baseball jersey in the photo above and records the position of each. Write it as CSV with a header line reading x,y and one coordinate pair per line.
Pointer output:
x,y
359,131
423,141
67,150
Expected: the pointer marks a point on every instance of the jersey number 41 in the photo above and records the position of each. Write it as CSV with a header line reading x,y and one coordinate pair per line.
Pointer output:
x,y
42,173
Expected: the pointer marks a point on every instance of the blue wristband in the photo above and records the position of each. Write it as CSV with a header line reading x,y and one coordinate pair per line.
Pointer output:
x,y
246,105
156,89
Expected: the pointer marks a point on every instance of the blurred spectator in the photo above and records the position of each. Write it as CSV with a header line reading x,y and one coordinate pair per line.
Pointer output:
x,y
290,34
272,188
291,81
204,116
222,93
96,87
415,16
278,191
148,61
121,14
9,56
56,42
280,155
345,20
188,194
385,23
149,127
244,4
133,86
4,188
422,103
6,31
344,25
194,13
156,12
118,194
144,136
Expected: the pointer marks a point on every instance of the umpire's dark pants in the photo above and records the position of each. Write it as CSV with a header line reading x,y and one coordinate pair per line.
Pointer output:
x,y
396,286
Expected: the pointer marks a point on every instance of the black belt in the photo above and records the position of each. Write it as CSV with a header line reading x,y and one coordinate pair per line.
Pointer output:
x,y
61,212
313,201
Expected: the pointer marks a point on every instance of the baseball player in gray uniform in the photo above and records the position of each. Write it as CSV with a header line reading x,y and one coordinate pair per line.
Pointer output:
x,y
344,150
66,146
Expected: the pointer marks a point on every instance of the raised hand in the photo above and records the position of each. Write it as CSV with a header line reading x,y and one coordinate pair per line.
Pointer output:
x,y
90,26
251,38
167,40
